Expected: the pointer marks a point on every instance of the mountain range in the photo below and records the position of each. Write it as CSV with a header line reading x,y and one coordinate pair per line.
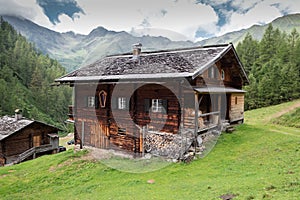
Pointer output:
x,y
75,50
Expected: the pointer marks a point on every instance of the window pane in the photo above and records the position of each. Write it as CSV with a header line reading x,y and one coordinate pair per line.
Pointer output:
x,y
157,105
91,101
121,103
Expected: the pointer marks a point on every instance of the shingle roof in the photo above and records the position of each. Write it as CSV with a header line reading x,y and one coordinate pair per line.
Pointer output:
x,y
9,125
186,62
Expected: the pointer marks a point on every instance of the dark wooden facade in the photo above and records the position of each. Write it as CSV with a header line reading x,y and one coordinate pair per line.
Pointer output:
x,y
27,135
215,95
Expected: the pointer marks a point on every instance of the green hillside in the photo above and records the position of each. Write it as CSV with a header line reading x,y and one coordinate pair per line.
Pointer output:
x,y
25,80
291,119
259,160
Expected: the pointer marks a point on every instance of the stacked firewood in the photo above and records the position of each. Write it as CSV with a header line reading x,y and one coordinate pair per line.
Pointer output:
x,y
189,118
167,144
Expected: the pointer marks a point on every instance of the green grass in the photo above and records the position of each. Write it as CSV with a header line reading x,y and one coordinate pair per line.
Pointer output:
x,y
260,160
291,119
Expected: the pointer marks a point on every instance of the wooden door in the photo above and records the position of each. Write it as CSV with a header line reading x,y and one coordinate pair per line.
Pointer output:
x,y
99,133
36,140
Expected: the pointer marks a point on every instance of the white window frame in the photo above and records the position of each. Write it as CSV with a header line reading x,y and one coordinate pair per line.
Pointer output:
x,y
122,103
157,105
91,101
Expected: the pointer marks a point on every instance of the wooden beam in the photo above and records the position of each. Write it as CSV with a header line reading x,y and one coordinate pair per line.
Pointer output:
x,y
196,113
82,133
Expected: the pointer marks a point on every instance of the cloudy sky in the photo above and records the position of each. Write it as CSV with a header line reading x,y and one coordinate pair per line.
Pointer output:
x,y
180,19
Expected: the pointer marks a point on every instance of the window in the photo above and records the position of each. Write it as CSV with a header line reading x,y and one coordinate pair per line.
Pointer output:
x,y
91,101
213,72
222,74
122,103
157,105
236,100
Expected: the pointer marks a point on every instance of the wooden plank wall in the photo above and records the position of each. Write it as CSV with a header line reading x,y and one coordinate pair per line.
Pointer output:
x,y
203,79
236,111
23,140
101,128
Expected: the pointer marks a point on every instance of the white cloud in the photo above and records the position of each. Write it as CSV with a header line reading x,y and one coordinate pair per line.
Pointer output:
x,y
263,12
173,18
24,8
182,16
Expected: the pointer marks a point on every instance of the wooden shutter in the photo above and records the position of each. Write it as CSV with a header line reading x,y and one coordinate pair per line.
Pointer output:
x,y
114,103
127,102
97,103
85,101
165,105
146,105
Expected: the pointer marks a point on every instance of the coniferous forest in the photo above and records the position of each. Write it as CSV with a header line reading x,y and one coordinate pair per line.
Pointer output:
x,y
273,67
25,80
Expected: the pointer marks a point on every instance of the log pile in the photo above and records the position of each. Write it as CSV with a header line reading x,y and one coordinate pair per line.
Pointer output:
x,y
167,144
189,118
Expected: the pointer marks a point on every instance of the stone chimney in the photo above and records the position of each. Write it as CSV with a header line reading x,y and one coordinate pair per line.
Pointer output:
x,y
18,114
137,49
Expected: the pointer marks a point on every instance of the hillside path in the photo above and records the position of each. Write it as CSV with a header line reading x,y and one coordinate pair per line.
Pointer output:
x,y
284,111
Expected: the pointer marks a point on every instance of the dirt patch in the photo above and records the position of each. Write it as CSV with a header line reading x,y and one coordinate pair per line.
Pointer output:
x,y
100,154
3,176
286,110
94,154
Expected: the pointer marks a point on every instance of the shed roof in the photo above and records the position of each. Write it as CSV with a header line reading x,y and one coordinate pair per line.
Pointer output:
x,y
9,125
218,90
187,62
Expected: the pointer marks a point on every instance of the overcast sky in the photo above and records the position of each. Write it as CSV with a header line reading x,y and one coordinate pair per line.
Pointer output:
x,y
180,19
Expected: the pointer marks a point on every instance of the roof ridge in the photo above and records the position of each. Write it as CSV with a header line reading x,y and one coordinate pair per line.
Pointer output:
x,y
170,50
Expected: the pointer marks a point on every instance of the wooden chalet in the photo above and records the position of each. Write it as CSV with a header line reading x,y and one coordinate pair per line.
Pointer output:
x,y
121,99
24,139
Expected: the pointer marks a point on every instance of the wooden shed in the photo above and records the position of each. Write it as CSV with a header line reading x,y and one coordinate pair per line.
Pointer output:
x,y
131,101
23,139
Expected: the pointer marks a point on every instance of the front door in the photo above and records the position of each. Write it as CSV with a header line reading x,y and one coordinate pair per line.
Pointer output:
x,y
99,137
36,140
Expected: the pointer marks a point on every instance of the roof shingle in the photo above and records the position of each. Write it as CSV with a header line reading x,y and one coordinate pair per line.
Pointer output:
x,y
150,64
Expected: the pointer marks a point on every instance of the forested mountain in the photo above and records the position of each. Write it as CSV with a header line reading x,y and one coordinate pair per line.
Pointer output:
x,y
74,50
273,67
286,23
25,79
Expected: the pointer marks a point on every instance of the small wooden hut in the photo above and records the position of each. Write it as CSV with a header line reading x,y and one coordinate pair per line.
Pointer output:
x,y
23,139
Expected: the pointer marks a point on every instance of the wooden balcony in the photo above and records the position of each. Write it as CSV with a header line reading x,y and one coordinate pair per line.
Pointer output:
x,y
35,150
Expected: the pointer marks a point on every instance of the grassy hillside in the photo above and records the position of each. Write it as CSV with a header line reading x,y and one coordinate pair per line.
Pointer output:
x,y
291,119
258,161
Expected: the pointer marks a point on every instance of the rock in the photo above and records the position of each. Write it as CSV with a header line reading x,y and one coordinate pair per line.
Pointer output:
x,y
148,156
151,181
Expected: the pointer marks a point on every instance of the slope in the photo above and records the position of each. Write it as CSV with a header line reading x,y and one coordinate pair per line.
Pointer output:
x,y
25,79
255,162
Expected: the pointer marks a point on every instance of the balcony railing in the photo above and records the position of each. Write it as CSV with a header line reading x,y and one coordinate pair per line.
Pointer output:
x,y
208,121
